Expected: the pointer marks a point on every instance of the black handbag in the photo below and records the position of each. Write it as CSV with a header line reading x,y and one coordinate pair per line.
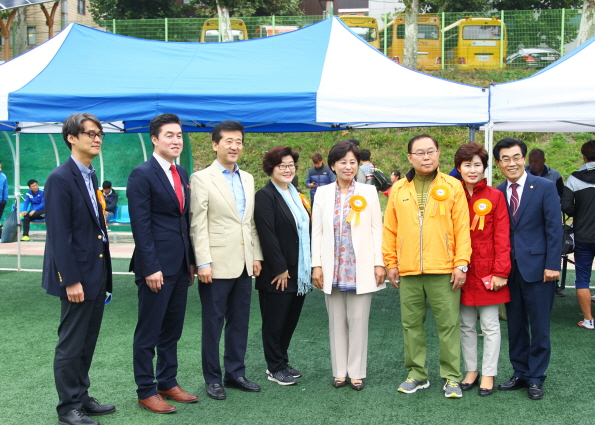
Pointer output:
x,y
10,232
567,239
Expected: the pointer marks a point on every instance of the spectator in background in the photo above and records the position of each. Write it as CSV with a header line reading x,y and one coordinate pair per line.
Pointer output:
x,y
319,175
578,201
538,168
33,200
365,173
111,200
395,175
3,195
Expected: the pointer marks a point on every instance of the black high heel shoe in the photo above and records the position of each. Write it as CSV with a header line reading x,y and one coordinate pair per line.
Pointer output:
x,y
467,387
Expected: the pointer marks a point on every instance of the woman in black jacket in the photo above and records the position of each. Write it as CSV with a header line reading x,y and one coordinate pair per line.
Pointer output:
x,y
282,220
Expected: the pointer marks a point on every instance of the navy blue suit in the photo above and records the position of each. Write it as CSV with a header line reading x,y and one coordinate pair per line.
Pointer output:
x,y
162,243
536,245
75,251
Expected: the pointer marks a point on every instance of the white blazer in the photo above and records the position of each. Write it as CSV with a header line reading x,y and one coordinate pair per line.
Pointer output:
x,y
366,237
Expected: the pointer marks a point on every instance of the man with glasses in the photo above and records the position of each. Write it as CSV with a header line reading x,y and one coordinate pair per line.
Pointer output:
x,y
77,267
536,248
427,248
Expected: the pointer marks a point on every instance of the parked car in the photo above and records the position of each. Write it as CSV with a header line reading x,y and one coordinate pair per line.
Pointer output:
x,y
533,57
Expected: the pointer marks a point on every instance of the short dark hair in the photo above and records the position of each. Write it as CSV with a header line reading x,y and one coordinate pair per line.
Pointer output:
x,y
106,184
160,120
366,154
467,151
73,125
509,142
537,151
354,141
588,150
421,136
316,157
396,173
341,149
226,126
30,182
275,155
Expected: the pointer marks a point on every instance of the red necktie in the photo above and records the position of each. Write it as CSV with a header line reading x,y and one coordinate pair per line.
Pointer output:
x,y
514,200
178,186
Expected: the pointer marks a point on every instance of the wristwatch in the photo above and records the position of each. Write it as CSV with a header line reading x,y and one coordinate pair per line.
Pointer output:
x,y
463,268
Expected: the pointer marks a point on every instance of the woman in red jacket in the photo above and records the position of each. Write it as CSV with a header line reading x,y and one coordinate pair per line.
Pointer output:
x,y
488,271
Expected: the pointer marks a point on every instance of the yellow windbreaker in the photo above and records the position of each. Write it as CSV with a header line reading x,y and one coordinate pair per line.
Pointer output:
x,y
434,244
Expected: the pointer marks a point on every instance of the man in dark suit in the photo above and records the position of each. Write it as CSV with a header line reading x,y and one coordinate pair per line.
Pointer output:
x,y
163,263
536,249
77,267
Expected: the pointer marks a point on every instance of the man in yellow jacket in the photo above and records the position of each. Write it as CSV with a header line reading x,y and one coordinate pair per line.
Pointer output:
x,y
427,247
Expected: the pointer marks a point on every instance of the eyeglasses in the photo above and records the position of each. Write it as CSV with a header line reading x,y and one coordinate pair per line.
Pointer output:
x,y
506,159
92,135
284,167
421,154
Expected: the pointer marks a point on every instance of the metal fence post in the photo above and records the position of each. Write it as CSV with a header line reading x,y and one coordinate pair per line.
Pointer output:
x,y
219,31
114,26
503,36
273,24
166,33
562,32
442,58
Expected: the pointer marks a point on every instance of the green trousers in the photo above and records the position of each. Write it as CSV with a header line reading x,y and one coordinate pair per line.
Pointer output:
x,y
445,305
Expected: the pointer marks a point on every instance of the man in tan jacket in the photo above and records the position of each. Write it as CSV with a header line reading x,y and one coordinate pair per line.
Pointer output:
x,y
227,253
427,248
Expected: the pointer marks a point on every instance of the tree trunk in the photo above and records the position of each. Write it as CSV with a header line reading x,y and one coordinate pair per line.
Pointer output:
x,y
224,23
587,28
19,33
410,53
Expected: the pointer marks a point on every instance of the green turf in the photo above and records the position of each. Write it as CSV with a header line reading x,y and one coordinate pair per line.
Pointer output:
x,y
29,321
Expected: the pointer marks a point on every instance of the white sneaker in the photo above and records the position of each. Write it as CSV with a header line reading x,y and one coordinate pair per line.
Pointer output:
x,y
587,324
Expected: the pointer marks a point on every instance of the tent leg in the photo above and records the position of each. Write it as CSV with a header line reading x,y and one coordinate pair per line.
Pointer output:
x,y
489,143
17,191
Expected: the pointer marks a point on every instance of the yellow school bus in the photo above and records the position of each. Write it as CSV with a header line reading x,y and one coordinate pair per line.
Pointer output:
x,y
428,40
364,26
210,30
475,43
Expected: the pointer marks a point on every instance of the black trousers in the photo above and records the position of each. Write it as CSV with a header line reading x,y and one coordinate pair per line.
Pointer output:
x,y
77,337
225,300
280,315
29,218
160,323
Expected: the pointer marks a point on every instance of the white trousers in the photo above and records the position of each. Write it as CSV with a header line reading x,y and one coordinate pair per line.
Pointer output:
x,y
348,316
490,327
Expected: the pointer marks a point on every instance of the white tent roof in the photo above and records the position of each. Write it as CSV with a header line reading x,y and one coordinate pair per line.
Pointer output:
x,y
560,98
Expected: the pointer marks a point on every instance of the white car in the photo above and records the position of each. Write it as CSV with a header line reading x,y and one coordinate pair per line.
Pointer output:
x,y
533,57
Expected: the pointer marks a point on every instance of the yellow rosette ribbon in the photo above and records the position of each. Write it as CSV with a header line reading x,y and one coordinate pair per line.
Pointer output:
x,y
440,193
481,207
358,203
101,199
305,203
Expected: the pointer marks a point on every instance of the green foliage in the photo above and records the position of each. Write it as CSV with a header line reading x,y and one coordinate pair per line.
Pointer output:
x,y
436,6
131,9
536,4
208,8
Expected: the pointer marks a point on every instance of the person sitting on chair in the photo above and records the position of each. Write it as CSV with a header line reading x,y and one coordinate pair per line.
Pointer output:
x,y
33,199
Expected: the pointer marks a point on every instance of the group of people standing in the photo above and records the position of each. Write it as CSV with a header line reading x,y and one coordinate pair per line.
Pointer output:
x,y
463,247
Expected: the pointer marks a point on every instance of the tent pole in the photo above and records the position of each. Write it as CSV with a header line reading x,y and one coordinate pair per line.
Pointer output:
x,y
489,142
17,191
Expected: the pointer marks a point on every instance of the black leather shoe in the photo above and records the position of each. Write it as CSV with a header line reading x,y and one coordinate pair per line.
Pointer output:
x,y
466,387
93,408
484,392
76,417
242,384
216,391
513,384
535,391
337,383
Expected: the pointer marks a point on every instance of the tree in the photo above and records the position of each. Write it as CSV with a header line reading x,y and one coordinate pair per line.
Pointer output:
x,y
535,4
132,9
587,28
410,51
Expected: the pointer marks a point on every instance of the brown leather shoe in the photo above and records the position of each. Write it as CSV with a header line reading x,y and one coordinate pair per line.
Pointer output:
x,y
178,394
156,404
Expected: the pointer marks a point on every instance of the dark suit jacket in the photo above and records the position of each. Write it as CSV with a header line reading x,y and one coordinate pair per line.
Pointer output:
x,y
536,235
278,235
160,231
74,246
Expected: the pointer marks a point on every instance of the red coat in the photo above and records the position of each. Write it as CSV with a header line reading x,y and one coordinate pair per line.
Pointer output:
x,y
490,248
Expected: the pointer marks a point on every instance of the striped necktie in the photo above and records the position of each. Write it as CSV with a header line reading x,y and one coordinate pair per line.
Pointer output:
x,y
514,200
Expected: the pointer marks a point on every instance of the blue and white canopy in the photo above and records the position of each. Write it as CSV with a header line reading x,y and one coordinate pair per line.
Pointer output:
x,y
559,98
322,77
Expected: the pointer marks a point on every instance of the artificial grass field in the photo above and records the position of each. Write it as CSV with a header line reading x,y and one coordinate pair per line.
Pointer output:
x,y
29,320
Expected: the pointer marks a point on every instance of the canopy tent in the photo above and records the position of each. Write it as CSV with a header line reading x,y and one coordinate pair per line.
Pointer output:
x,y
321,77
559,98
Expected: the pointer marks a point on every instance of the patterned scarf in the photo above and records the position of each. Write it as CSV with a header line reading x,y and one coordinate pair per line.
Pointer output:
x,y
344,266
